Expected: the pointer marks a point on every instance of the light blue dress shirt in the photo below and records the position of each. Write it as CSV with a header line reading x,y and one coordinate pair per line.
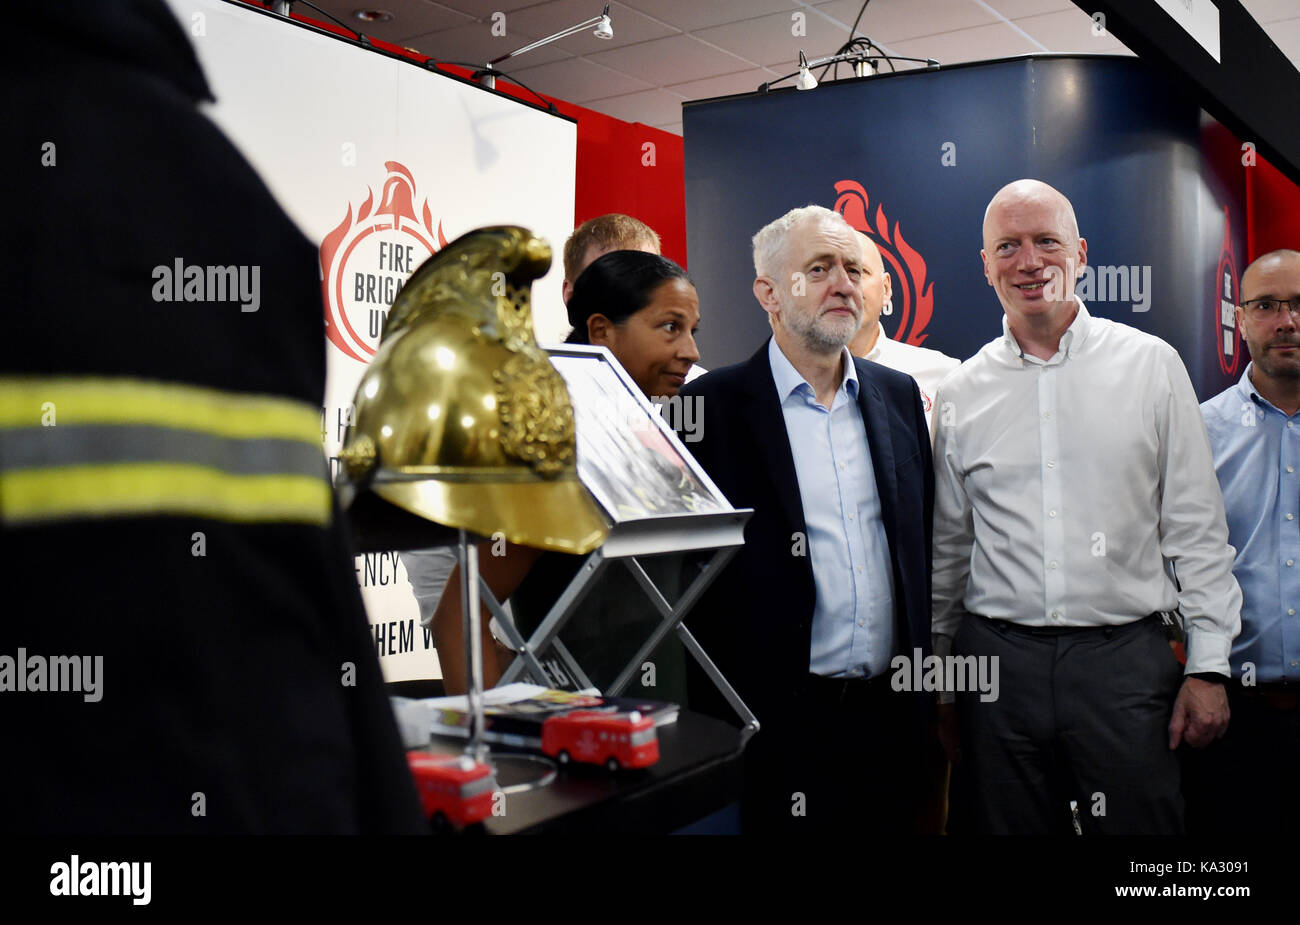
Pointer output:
x,y
853,622
1257,458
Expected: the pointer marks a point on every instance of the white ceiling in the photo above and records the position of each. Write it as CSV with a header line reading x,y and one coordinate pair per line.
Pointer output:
x,y
665,52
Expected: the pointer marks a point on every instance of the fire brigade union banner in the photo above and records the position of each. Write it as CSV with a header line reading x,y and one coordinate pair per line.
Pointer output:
x,y
380,162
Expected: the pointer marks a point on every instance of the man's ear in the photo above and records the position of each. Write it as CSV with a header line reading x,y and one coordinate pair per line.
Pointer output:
x,y
889,287
985,258
566,291
765,292
600,331
1083,257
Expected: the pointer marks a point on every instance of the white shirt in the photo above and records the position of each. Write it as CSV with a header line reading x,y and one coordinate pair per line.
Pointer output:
x,y
928,367
853,617
1062,486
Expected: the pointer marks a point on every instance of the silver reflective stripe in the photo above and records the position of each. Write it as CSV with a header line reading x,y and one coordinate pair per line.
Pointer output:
x,y
99,444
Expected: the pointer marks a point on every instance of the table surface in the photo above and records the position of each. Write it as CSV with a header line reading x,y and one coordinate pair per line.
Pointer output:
x,y
698,772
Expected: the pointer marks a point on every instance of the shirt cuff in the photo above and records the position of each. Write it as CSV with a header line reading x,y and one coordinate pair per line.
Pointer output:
x,y
1207,652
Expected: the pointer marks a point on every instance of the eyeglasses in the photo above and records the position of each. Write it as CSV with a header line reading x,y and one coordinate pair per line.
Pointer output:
x,y
1267,308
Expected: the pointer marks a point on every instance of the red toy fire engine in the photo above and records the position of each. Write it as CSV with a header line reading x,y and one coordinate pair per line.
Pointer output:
x,y
626,740
455,789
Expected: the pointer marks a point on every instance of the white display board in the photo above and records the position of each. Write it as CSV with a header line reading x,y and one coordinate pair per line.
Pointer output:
x,y
380,162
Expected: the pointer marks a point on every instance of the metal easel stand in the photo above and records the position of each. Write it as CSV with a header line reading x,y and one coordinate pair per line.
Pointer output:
x,y
564,608
469,588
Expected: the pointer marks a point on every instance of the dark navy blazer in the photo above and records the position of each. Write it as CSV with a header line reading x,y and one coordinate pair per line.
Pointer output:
x,y
755,621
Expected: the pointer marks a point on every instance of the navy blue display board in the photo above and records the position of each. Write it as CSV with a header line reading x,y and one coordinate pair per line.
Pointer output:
x,y
913,159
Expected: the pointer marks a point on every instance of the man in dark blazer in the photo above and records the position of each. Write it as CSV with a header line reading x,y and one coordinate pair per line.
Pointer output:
x,y
833,582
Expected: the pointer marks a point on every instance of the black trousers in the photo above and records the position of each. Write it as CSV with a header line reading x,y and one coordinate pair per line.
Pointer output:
x,y
1248,782
847,759
1081,715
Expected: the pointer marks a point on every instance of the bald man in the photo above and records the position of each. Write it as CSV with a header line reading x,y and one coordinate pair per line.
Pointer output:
x,y
1071,466
1246,783
928,367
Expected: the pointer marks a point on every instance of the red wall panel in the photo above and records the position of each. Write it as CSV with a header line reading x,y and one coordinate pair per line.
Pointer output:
x,y
1272,210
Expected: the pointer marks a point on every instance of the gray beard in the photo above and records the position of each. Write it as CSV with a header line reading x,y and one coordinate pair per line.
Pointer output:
x,y
815,339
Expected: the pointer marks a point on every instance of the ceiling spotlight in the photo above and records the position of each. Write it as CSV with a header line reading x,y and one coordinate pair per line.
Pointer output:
x,y
373,15
806,80
863,66
600,25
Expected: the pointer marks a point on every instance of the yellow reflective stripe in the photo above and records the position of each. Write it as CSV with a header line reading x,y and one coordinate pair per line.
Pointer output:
x,y
161,488
25,401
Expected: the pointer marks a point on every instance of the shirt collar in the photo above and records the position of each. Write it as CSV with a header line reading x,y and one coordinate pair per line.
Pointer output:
x,y
788,379
1072,341
878,347
1245,388
1248,392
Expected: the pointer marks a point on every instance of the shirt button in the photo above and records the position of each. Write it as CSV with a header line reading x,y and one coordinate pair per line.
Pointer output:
x,y
1291,424
1290,517
850,517
1051,464
862,623
1290,562
1290,468
842,465
1051,513
1047,415
1056,615
1291,612
1052,564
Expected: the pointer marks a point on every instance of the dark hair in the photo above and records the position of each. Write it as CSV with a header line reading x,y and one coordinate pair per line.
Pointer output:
x,y
617,285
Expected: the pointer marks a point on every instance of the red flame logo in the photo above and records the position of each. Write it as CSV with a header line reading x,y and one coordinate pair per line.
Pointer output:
x,y
1226,293
395,215
913,294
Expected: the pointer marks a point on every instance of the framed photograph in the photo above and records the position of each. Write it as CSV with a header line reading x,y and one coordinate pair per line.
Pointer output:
x,y
629,457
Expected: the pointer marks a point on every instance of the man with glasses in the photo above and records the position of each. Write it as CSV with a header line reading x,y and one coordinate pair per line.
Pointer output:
x,y
1245,782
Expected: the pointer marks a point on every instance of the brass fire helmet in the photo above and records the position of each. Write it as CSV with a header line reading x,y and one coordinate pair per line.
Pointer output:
x,y
460,417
